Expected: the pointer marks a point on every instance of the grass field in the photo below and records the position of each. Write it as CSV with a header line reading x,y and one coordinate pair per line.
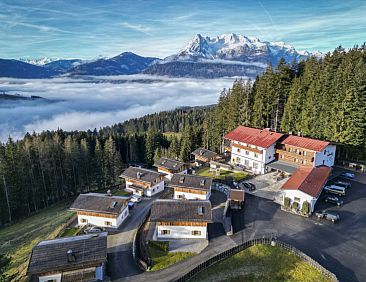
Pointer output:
x,y
121,193
262,263
237,176
18,239
162,258
73,231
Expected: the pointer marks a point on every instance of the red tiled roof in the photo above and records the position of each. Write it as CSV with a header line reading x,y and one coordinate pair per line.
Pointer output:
x,y
305,143
258,137
309,180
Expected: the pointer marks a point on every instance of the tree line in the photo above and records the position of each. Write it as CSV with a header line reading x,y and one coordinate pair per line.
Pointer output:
x,y
323,99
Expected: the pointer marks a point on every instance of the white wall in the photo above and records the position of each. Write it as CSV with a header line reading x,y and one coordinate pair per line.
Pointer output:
x,y
181,232
303,197
328,157
269,155
56,277
155,189
191,196
100,221
260,165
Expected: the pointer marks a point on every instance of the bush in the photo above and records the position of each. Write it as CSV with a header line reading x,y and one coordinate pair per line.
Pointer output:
x,y
287,202
295,205
305,209
160,245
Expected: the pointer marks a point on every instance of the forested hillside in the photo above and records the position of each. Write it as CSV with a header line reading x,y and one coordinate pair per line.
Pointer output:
x,y
322,99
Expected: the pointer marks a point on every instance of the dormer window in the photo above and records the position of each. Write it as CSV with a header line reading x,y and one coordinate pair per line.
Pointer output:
x,y
201,210
202,182
181,179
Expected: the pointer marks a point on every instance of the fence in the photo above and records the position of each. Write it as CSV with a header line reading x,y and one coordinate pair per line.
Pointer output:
x,y
269,240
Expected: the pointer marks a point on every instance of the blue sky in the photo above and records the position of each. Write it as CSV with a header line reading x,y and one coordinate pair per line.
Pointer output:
x,y
89,28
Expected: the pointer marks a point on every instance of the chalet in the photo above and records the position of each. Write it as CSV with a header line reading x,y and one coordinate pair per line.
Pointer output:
x,y
191,187
204,156
170,167
305,185
177,219
252,148
303,151
236,198
100,209
78,258
143,182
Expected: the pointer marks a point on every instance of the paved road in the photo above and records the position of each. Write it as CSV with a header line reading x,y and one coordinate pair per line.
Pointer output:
x,y
120,259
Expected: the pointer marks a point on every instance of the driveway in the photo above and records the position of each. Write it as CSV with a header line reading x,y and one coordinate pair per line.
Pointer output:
x,y
120,259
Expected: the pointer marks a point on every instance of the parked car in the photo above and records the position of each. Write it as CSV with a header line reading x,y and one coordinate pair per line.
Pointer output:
x,y
248,185
135,198
93,230
348,175
334,189
131,205
331,216
342,183
333,200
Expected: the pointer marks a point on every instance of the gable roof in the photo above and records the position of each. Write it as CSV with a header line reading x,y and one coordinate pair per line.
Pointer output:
x,y
236,194
309,180
305,143
145,175
204,153
181,210
95,202
253,136
169,164
51,255
191,182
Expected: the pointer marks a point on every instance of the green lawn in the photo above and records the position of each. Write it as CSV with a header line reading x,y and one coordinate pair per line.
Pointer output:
x,y
121,193
162,258
237,176
18,239
262,263
69,232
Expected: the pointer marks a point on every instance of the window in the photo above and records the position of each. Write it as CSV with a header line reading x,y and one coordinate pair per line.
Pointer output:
x,y
125,213
238,150
304,162
196,232
246,162
180,196
107,223
237,160
305,153
255,155
247,152
83,220
165,232
255,165
51,280
296,199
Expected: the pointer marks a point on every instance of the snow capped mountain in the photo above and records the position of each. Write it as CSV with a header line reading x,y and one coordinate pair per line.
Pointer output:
x,y
233,47
38,61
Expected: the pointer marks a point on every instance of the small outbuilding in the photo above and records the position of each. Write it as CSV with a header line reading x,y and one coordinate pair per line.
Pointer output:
x,y
78,259
305,187
236,198
100,209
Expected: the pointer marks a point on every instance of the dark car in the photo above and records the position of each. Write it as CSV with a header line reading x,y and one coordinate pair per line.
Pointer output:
x,y
348,175
333,200
93,230
331,216
248,185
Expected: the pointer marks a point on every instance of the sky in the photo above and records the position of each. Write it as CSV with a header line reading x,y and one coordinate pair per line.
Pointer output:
x,y
88,29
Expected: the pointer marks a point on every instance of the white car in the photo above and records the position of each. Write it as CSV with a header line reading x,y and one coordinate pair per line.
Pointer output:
x,y
135,198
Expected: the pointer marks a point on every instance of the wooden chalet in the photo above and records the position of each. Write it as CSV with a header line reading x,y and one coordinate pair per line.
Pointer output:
x,y
170,167
236,198
203,156
78,258
191,187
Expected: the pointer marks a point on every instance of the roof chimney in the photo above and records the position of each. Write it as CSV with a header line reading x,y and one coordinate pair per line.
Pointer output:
x,y
71,256
138,175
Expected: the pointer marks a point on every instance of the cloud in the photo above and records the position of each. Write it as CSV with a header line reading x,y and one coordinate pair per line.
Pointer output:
x,y
96,102
136,27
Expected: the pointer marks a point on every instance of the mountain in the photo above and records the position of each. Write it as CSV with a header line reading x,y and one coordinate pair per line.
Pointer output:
x,y
18,69
125,63
226,55
63,66
37,61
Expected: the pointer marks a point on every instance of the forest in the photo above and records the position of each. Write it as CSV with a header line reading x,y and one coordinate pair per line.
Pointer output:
x,y
323,99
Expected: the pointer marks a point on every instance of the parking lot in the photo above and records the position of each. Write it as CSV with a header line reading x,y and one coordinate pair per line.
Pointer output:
x,y
340,247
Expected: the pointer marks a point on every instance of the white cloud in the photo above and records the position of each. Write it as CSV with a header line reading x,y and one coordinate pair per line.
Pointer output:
x,y
85,104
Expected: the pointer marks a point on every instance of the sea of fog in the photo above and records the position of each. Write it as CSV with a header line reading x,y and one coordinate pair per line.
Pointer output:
x,y
93,102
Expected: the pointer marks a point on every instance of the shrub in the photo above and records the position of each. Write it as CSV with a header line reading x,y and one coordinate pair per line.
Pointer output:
x,y
305,209
295,205
287,202
160,245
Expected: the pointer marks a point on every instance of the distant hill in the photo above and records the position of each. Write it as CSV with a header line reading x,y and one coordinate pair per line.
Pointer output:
x,y
18,69
125,63
62,66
